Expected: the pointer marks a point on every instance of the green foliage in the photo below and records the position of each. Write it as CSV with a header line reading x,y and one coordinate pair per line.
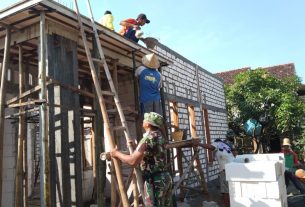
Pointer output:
x,y
257,94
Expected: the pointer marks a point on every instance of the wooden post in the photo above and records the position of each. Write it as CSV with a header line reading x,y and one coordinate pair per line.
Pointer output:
x,y
25,140
21,137
3,98
200,171
43,121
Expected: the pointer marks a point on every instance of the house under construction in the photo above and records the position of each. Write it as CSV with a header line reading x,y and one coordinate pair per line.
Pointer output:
x,y
51,124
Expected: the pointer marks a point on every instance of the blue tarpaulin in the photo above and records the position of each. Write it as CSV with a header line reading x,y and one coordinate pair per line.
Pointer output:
x,y
252,126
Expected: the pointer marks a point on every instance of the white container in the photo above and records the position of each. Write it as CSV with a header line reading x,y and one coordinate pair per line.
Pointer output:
x,y
254,171
257,183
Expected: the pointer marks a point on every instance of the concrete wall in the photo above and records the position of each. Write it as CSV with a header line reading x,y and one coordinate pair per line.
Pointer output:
x,y
9,161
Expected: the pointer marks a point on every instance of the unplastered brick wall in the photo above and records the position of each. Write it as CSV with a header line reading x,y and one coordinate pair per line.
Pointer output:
x,y
181,85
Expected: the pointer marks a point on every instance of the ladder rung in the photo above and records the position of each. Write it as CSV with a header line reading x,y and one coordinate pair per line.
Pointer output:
x,y
127,110
98,60
108,93
112,111
117,128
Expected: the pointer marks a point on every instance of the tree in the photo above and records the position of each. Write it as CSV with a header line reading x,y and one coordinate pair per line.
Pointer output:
x,y
274,102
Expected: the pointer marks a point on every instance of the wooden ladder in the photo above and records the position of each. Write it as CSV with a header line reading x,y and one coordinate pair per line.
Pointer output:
x,y
100,94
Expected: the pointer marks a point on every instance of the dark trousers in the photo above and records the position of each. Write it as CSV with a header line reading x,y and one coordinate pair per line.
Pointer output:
x,y
289,176
131,34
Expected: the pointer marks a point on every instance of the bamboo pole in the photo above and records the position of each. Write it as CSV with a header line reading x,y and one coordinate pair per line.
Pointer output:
x,y
25,140
116,121
21,133
44,142
115,134
2,99
98,139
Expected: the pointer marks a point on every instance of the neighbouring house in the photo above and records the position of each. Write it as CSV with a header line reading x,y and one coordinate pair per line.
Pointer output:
x,y
43,36
279,71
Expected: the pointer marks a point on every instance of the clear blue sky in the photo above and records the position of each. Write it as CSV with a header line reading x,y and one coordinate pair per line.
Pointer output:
x,y
218,35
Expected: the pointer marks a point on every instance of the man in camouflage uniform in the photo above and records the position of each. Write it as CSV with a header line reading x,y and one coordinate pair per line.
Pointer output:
x,y
151,155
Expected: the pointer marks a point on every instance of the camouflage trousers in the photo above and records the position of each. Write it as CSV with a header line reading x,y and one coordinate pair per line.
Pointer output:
x,y
158,190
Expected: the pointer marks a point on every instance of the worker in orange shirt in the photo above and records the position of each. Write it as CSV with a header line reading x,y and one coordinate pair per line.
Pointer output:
x,y
131,27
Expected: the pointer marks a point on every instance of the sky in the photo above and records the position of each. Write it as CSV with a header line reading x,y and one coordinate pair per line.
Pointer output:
x,y
218,35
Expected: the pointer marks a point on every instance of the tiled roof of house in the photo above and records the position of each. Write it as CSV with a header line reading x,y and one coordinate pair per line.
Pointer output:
x,y
228,76
280,71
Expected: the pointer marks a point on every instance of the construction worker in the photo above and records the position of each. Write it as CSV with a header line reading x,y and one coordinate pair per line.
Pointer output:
x,y
149,83
151,155
107,20
131,27
291,163
224,153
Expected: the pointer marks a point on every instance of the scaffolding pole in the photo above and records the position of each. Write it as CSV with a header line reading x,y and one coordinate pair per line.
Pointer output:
x,y
21,133
43,123
2,99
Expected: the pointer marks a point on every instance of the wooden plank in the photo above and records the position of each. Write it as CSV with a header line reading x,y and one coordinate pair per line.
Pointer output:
x,y
207,134
25,94
182,144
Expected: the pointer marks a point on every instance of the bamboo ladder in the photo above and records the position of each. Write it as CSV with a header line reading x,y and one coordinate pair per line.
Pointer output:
x,y
100,94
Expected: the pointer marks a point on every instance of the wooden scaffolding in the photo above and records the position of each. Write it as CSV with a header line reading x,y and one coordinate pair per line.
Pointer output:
x,y
54,85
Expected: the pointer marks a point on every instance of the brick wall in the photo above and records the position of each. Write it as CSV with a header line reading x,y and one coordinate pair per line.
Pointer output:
x,y
181,86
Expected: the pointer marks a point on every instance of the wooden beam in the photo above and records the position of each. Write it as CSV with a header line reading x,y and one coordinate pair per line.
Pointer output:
x,y
22,104
25,34
6,25
25,94
62,30
74,89
2,99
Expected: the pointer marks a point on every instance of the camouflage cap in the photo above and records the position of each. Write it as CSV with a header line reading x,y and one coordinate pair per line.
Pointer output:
x,y
153,119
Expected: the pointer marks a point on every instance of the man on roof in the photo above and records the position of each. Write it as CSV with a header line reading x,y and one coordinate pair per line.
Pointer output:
x,y
131,28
